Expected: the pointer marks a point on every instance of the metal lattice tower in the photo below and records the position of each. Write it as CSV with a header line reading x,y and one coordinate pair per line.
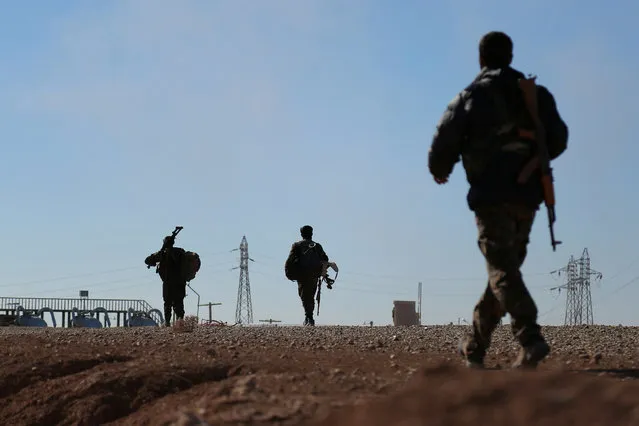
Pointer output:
x,y
244,308
578,297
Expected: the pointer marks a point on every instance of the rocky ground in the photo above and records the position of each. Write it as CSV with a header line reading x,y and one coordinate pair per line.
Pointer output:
x,y
317,376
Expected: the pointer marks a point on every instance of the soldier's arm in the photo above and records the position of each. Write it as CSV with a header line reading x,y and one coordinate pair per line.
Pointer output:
x,y
152,259
322,253
556,128
445,149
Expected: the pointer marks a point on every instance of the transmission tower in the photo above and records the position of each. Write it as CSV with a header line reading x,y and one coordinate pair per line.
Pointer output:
x,y
578,295
244,308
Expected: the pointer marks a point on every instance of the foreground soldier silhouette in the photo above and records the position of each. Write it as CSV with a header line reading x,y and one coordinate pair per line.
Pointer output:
x,y
306,263
486,125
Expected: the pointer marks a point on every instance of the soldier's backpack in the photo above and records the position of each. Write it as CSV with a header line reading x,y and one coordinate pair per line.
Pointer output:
x,y
290,269
309,263
190,265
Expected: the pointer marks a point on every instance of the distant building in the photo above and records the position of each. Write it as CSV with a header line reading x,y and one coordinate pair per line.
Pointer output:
x,y
404,313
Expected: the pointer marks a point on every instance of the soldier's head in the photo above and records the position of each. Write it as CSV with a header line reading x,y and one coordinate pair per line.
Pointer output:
x,y
307,232
495,50
168,242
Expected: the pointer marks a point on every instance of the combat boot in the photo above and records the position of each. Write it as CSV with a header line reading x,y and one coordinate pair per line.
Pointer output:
x,y
309,321
474,360
167,317
531,355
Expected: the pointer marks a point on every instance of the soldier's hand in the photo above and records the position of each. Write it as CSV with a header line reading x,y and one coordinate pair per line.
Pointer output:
x,y
329,283
441,181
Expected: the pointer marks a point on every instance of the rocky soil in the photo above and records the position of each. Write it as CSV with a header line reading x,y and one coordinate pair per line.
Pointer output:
x,y
278,375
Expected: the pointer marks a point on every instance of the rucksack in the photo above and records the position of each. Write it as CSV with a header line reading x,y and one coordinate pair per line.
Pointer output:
x,y
190,265
290,269
309,263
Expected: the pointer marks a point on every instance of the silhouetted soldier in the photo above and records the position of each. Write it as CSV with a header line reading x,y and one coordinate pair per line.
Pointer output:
x,y
173,284
489,127
305,264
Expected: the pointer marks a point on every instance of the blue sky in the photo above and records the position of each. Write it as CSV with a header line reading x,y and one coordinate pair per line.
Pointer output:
x,y
123,119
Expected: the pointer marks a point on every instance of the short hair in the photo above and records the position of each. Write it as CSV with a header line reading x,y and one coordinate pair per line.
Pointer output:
x,y
496,49
306,231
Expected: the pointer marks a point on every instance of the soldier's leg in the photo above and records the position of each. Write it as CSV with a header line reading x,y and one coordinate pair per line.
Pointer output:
x,y
486,316
300,293
503,238
178,307
168,303
306,291
525,327
178,293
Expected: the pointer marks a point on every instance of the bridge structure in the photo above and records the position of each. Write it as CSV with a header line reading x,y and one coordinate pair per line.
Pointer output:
x,y
67,307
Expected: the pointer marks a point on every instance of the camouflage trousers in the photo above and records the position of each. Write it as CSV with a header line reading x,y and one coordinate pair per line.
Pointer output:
x,y
503,239
307,289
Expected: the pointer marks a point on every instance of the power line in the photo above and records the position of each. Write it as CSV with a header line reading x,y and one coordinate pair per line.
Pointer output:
x,y
601,300
413,278
345,285
100,284
109,289
430,279
624,269
355,273
96,273
618,289
68,277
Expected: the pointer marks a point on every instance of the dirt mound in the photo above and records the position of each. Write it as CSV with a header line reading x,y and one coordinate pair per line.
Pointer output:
x,y
231,376
449,396
97,392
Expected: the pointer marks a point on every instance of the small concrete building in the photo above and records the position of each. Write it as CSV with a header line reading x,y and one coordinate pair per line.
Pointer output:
x,y
404,313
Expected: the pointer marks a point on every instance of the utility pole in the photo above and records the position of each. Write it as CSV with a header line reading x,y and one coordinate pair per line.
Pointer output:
x,y
419,303
244,308
270,320
210,305
578,296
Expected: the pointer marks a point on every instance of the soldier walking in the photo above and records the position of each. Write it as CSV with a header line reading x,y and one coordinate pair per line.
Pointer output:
x,y
486,125
305,264
169,266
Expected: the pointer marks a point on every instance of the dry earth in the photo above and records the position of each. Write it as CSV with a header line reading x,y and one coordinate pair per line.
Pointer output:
x,y
271,375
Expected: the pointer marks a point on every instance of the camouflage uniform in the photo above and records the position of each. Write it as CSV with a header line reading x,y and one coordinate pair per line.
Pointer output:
x,y
480,125
173,285
307,286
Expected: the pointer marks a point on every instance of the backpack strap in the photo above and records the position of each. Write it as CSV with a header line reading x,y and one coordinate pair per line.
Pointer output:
x,y
513,135
310,246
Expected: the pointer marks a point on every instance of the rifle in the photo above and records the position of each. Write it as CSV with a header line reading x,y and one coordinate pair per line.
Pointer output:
x,y
319,294
529,90
329,281
169,241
